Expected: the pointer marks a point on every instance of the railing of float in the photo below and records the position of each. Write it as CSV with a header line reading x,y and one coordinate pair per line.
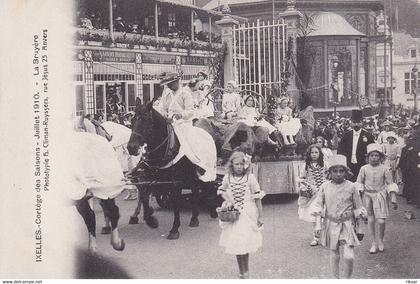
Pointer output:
x,y
259,52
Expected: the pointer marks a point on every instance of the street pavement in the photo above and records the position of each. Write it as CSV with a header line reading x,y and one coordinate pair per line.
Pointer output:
x,y
285,253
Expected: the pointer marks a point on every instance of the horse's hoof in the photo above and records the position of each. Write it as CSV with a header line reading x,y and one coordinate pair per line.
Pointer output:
x,y
194,223
173,236
213,214
120,246
152,222
106,230
133,220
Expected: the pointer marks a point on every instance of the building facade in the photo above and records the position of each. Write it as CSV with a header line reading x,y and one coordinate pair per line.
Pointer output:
x,y
122,61
336,69
405,56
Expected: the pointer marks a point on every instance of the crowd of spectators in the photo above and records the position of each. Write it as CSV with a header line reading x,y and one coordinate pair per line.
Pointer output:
x,y
400,136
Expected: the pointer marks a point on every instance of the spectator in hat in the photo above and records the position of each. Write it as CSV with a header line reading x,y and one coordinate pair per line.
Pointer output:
x,y
386,131
407,164
323,131
392,153
353,144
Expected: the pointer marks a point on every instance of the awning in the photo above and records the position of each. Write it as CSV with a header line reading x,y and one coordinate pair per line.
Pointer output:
x,y
186,3
331,24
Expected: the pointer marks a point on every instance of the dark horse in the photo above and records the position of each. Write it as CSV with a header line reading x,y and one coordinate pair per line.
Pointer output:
x,y
151,128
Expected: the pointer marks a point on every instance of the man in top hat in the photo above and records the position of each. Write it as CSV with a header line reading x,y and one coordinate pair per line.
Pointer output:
x,y
354,143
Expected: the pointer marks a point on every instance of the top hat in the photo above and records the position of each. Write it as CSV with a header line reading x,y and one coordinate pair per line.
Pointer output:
x,y
356,115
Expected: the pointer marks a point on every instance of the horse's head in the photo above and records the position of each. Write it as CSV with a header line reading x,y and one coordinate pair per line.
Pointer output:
x,y
142,128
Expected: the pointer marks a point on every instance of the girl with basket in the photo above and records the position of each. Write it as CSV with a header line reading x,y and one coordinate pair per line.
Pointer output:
x,y
310,180
241,213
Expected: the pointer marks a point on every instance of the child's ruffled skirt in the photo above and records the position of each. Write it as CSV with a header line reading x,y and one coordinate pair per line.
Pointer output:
x,y
242,236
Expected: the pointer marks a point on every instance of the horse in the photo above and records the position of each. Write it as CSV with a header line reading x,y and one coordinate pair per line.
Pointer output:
x,y
165,160
96,172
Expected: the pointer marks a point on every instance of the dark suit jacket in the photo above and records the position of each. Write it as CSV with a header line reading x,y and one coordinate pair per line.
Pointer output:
x,y
346,145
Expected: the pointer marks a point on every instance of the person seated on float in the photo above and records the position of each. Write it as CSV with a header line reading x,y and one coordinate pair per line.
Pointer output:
x,y
231,101
285,123
251,116
181,104
204,84
203,106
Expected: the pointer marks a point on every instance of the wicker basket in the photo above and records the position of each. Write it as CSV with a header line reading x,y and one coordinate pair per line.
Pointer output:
x,y
226,215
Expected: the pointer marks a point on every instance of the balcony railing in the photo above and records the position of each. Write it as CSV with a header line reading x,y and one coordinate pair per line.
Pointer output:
x,y
93,37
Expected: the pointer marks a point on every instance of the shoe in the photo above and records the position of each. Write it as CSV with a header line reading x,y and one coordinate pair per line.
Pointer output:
x,y
244,276
373,249
314,243
381,247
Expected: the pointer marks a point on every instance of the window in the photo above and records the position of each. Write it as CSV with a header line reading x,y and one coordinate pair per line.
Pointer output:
x,y
171,20
409,82
413,53
380,61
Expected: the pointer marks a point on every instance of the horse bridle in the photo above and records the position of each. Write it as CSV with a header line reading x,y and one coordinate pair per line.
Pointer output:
x,y
171,133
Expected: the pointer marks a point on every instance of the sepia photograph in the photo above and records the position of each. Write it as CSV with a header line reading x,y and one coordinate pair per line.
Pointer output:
x,y
210,139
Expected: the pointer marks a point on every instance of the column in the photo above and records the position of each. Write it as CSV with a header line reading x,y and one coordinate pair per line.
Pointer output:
x,y
156,21
192,25
210,29
326,70
291,18
356,82
89,88
139,77
178,64
111,21
227,23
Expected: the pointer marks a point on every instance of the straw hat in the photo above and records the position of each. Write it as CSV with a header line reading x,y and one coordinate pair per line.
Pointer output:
x,y
387,123
169,77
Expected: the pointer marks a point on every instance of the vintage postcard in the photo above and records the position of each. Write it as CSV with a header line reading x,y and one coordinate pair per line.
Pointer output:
x,y
209,139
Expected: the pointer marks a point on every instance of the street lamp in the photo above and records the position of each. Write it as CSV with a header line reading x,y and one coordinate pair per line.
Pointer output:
x,y
414,86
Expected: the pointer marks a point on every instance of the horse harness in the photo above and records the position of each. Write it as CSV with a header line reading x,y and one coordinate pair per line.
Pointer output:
x,y
170,152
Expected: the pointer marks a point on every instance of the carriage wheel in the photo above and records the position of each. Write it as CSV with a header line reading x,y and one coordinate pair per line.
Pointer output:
x,y
162,199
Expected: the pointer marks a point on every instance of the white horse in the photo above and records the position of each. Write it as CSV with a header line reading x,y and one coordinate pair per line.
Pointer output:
x,y
96,172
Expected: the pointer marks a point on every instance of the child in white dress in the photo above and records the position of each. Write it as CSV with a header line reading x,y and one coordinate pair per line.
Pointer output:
x,y
339,202
375,181
286,124
231,101
310,180
240,189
